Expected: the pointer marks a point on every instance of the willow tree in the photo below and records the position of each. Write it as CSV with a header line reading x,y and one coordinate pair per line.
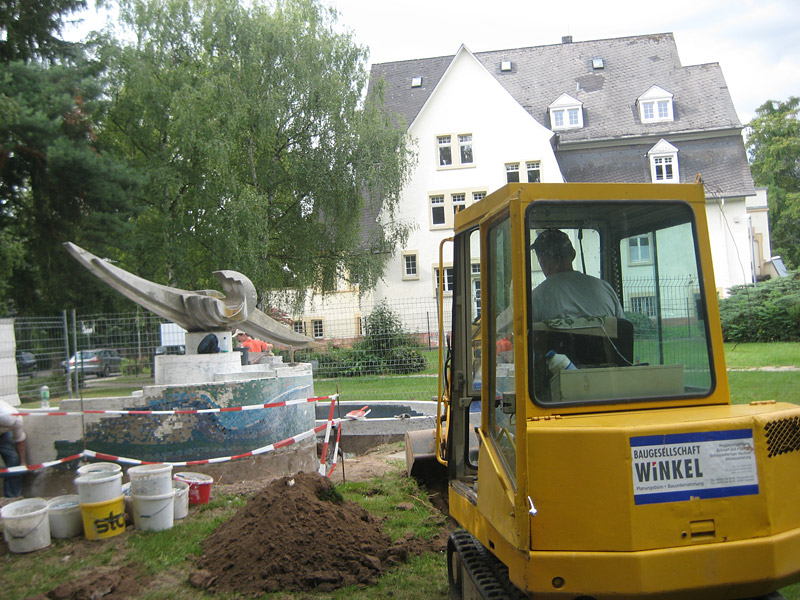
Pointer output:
x,y
261,151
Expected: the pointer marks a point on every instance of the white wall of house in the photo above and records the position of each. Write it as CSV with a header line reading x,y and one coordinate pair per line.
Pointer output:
x,y
467,101
758,214
728,231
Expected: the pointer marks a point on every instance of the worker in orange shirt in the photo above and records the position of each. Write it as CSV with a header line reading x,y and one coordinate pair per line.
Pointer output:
x,y
252,344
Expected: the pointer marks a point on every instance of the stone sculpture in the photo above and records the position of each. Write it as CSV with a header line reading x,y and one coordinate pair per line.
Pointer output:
x,y
196,311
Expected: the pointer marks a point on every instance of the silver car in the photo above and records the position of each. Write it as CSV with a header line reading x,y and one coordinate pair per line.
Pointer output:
x,y
101,362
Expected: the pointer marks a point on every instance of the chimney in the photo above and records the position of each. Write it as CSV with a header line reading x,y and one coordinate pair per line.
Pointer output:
x,y
566,39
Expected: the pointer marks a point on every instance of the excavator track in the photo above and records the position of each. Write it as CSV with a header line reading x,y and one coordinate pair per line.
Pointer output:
x,y
475,573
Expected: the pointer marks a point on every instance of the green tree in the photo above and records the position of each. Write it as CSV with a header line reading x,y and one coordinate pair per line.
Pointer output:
x,y
57,182
260,150
31,28
773,145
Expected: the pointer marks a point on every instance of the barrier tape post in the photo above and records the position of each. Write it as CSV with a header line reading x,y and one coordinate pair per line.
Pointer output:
x,y
323,459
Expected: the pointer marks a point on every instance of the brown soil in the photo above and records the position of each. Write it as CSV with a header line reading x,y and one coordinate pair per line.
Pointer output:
x,y
299,534
295,533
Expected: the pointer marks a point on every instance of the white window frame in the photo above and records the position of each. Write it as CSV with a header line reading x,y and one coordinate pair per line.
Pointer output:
x,y
661,155
459,201
512,168
566,113
655,106
457,143
444,142
436,201
643,301
478,196
318,322
302,326
410,254
464,142
638,260
533,166
448,282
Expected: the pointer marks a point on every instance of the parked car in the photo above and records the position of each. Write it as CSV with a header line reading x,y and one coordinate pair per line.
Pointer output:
x,y
100,361
26,363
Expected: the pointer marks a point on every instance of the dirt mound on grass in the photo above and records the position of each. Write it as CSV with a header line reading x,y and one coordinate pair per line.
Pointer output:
x,y
298,534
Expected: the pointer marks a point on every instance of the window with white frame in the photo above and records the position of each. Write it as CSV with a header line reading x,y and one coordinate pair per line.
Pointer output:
x,y
437,210
449,280
465,148
454,150
534,169
642,304
317,329
655,105
566,112
664,163
512,172
410,265
476,288
478,196
299,327
445,150
639,250
459,202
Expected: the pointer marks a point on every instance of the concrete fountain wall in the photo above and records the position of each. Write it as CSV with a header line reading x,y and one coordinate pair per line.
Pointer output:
x,y
189,381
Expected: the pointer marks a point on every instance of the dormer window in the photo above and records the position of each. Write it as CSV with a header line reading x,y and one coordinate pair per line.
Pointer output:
x,y
566,113
655,106
664,163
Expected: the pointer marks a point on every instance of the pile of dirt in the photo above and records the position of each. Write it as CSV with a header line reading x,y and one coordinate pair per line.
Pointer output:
x,y
298,534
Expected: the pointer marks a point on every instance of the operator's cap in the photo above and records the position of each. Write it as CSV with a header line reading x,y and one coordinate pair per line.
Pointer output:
x,y
238,332
554,243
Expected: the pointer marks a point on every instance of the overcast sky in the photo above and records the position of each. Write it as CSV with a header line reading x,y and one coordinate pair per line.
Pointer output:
x,y
757,42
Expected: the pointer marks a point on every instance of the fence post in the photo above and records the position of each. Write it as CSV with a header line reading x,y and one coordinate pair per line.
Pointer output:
x,y
66,351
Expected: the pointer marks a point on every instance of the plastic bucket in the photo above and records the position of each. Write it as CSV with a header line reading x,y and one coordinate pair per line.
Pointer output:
x,y
103,519
65,516
99,487
107,468
199,486
154,513
181,498
26,526
150,480
128,501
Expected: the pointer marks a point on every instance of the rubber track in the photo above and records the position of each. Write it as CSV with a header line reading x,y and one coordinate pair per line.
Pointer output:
x,y
489,575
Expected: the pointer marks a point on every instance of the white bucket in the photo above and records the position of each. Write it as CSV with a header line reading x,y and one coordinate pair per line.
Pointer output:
x,y
181,498
154,513
65,516
128,500
99,487
26,525
150,480
107,468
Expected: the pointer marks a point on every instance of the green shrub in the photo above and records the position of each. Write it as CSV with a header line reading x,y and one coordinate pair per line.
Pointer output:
x,y
769,312
386,349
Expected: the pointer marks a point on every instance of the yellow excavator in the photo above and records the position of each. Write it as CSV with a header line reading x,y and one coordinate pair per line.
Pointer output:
x,y
598,456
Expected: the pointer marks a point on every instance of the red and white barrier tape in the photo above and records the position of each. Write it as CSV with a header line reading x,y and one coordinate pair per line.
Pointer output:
x,y
199,411
133,461
324,458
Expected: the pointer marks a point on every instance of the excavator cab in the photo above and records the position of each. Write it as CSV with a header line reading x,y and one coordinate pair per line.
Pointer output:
x,y
628,474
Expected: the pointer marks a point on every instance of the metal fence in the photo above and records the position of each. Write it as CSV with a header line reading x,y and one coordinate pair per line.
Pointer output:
x,y
390,357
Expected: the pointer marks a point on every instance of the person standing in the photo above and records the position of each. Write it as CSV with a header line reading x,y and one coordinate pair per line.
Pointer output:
x,y
12,448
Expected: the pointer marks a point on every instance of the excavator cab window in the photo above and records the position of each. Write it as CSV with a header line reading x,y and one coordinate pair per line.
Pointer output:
x,y
654,344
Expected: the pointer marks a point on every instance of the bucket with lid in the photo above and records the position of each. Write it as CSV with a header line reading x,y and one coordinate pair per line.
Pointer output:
x,y
181,498
107,468
64,513
199,486
154,513
26,525
100,486
103,519
150,480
